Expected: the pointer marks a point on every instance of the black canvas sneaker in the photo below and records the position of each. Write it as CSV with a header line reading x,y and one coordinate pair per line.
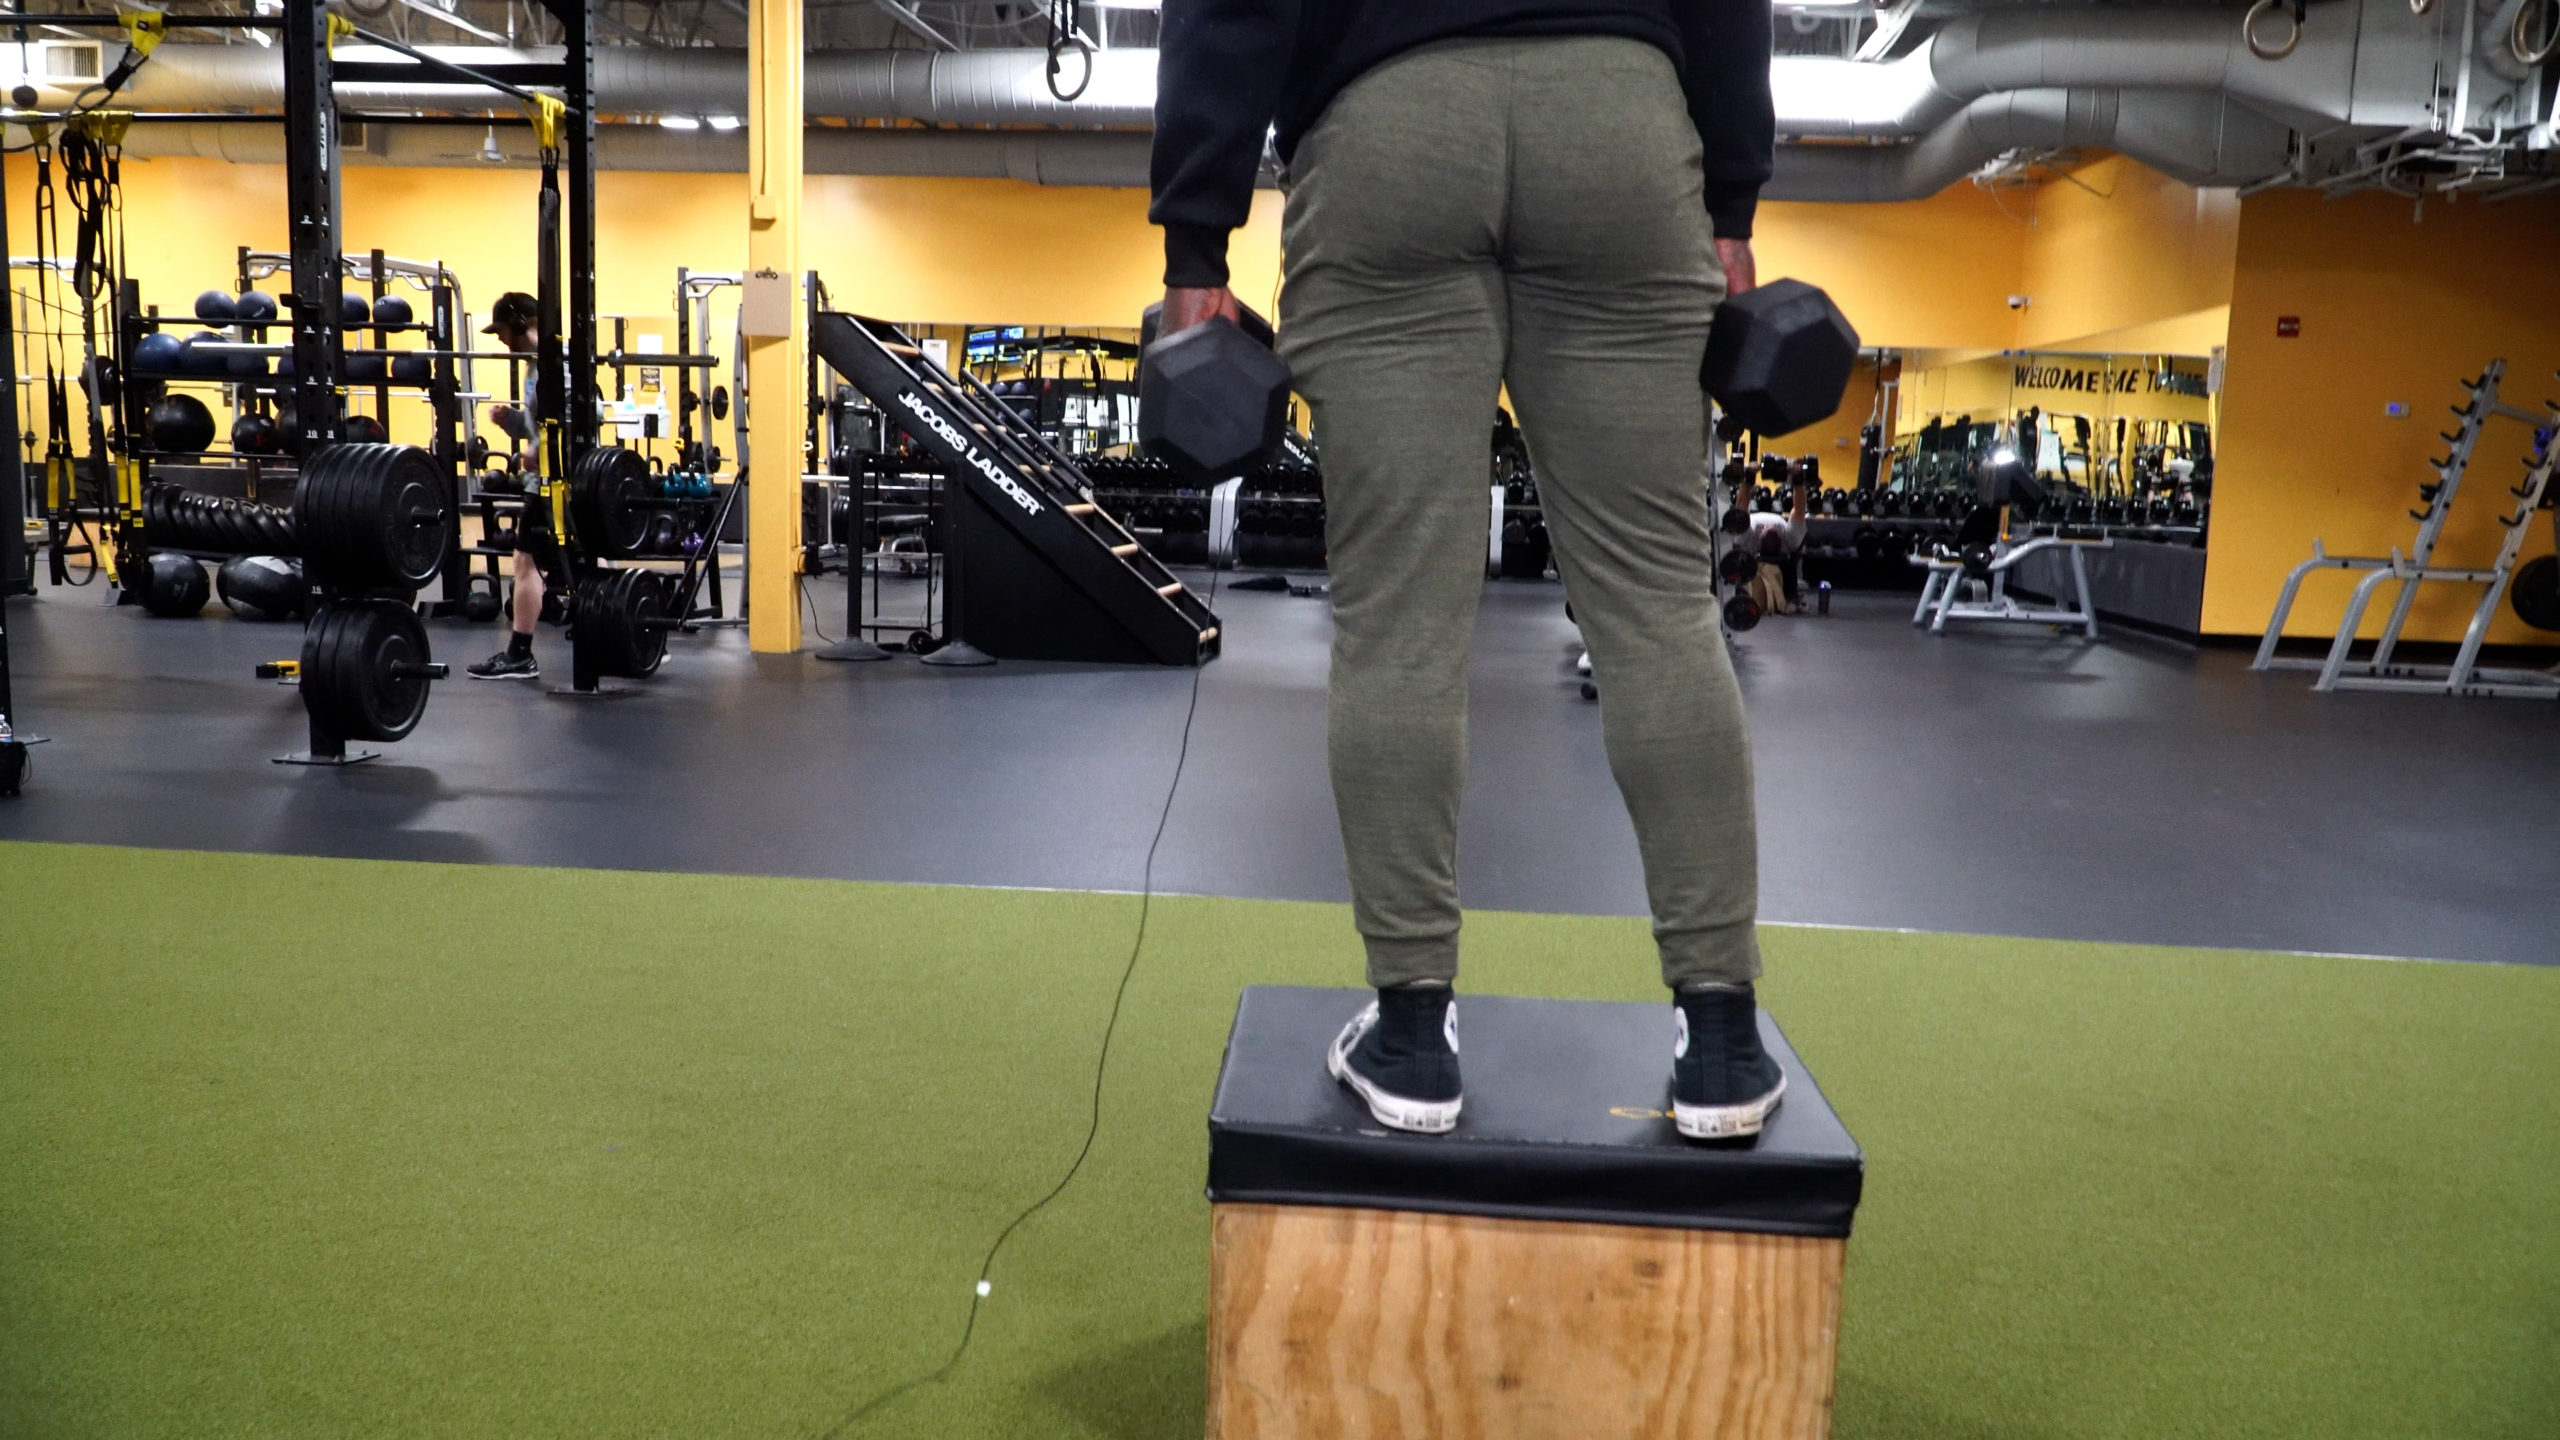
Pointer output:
x,y
1723,1085
1400,1055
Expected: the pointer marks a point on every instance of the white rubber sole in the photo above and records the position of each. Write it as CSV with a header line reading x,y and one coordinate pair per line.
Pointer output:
x,y
1727,1122
1419,1117
514,675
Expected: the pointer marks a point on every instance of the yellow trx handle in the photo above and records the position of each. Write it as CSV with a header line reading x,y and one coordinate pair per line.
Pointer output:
x,y
129,487
107,127
57,482
555,487
546,113
145,29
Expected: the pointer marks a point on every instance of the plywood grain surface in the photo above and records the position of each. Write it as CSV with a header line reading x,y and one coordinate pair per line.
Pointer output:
x,y
1345,1324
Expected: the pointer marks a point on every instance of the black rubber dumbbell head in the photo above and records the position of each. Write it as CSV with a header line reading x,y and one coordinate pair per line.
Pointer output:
x,y
1779,356
1213,401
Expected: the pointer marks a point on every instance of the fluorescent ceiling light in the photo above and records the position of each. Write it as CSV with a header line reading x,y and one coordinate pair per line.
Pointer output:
x,y
722,122
679,122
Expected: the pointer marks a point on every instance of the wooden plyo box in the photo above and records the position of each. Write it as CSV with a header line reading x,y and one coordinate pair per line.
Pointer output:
x,y
1562,1267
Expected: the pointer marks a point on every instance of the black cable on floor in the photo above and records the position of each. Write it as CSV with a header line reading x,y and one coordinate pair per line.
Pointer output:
x,y
1101,1066
810,602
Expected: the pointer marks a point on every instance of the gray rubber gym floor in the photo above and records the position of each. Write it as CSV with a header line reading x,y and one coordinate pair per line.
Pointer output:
x,y
2014,783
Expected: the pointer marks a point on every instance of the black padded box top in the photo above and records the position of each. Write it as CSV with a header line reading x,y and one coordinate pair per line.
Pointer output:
x,y
1566,1119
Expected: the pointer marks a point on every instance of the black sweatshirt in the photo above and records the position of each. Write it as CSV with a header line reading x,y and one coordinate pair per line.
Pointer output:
x,y
1230,70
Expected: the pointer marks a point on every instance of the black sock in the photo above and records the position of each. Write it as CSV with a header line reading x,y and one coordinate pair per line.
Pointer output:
x,y
519,646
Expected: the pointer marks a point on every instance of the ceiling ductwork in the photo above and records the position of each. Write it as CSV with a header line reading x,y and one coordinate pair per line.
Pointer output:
x,y
1040,157
2197,137
2369,92
970,87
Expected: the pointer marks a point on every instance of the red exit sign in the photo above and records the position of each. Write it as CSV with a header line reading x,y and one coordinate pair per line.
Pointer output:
x,y
2288,327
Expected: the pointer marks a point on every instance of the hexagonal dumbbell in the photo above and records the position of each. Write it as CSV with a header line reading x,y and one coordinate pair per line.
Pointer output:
x,y
1779,356
1213,401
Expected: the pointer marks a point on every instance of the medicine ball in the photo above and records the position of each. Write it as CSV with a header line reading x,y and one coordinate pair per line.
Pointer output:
x,y
254,305
158,354
392,310
217,306
262,587
180,425
255,434
1741,613
362,430
1738,566
174,586
364,369
352,308
412,369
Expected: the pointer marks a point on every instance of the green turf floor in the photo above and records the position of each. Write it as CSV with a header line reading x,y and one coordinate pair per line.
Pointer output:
x,y
323,1148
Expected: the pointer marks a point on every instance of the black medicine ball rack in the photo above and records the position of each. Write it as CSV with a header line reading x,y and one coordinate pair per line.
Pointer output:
x,y
216,502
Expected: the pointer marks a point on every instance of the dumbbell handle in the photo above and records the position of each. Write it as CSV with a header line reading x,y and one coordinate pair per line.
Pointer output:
x,y
412,670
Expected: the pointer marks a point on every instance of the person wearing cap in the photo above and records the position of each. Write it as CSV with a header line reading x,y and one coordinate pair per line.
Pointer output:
x,y
514,320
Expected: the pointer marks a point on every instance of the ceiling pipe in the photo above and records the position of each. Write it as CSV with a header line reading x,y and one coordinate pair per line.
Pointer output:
x,y
2197,137
1040,157
976,87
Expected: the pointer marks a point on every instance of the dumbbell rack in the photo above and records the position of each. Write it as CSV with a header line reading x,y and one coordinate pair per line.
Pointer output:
x,y
1038,571
2465,676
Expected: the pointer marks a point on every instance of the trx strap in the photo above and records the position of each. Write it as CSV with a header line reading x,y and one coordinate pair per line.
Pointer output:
x,y
552,385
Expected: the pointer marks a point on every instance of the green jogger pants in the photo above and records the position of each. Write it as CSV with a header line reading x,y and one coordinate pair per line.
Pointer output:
x,y
1525,212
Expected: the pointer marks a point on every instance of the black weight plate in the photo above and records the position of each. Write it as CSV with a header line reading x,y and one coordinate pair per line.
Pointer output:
x,y
2534,593
322,693
646,597
383,635
372,516
415,500
608,491
329,475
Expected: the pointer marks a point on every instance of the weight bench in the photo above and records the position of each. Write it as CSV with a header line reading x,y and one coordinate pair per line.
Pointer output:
x,y
1949,572
1562,1265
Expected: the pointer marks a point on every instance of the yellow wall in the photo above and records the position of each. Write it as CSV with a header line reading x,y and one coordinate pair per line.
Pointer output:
x,y
2114,245
2114,257
960,251
1935,272
2394,307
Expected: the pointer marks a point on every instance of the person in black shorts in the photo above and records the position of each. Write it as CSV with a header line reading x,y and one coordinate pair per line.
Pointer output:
x,y
514,321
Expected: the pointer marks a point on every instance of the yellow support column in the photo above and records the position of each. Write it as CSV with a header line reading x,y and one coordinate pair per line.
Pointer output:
x,y
776,342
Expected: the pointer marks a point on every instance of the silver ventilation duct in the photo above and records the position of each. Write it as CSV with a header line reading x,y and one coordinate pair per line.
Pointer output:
x,y
2194,136
2365,86
974,87
1041,157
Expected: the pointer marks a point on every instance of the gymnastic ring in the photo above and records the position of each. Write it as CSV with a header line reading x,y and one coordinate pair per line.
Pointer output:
x,y
2550,43
2249,31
